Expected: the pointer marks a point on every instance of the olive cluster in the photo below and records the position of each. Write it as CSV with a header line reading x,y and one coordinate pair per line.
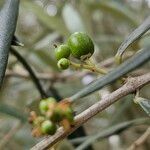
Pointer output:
x,y
79,45
52,116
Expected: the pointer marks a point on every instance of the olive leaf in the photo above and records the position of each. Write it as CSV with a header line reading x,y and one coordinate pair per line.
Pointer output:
x,y
144,103
116,129
115,9
14,112
76,24
129,65
8,19
137,33
51,22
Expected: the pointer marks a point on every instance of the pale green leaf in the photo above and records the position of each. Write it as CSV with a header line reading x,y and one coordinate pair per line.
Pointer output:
x,y
72,19
137,33
110,131
115,9
51,22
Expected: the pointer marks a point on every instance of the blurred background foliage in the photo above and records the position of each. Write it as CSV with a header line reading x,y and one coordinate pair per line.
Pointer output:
x,y
43,23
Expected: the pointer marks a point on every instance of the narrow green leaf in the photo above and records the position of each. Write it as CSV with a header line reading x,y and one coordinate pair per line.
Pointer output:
x,y
8,19
116,129
144,103
14,112
124,68
76,24
137,33
115,9
51,22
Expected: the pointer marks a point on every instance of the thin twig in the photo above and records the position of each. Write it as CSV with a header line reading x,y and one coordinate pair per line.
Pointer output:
x,y
45,76
31,72
140,140
88,67
61,77
131,85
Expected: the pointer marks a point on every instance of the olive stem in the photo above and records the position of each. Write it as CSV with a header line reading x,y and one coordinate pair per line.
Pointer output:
x,y
93,68
31,72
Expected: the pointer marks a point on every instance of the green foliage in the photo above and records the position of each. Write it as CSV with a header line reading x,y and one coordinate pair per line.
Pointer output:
x,y
55,23
116,129
8,19
136,34
134,62
116,10
43,24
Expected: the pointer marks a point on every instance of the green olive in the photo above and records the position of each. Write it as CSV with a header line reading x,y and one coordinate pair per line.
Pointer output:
x,y
63,51
51,100
69,114
43,106
81,45
57,115
63,63
47,127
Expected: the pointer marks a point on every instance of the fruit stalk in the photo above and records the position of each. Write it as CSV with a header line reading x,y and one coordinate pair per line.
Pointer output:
x,y
89,67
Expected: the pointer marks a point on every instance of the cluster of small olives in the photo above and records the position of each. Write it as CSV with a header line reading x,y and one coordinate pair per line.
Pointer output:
x,y
52,116
79,45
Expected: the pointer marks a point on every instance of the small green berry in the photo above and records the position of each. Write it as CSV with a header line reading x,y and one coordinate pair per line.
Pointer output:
x,y
63,51
51,100
69,114
63,63
57,115
43,106
81,45
47,127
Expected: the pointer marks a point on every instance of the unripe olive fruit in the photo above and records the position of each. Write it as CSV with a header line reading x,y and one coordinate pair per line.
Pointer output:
x,y
47,127
62,51
43,106
69,114
63,63
57,115
81,45
50,100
